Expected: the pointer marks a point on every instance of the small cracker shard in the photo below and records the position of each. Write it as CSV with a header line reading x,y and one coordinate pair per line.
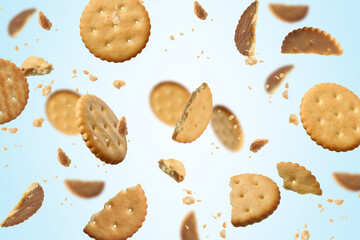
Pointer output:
x,y
305,235
38,122
93,78
28,205
253,197
188,230
285,94
251,61
121,127
200,11
245,37
35,66
118,84
13,130
18,22
63,158
293,119
289,13
84,189
348,181
223,233
276,78
173,168
121,217
298,179
311,40
188,200
46,90
258,144
195,117
44,21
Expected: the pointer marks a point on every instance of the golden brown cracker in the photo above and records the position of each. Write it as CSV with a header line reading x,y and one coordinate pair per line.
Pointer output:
x,y
168,100
195,117
298,179
289,13
97,124
188,229
63,158
60,111
14,91
121,217
28,205
173,168
227,128
330,114
200,11
35,66
84,189
311,40
277,77
115,30
258,144
245,37
44,21
121,127
348,181
253,197
18,22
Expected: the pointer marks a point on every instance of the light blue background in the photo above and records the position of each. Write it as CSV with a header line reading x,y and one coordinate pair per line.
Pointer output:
x,y
150,140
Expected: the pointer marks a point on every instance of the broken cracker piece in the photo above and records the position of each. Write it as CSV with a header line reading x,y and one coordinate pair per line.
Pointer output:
x,y
38,122
118,84
293,119
63,158
46,90
36,66
258,144
200,11
188,200
44,21
173,168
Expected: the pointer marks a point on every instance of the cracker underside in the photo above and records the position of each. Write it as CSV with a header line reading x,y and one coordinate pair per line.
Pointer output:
x,y
85,189
289,13
188,230
19,21
347,180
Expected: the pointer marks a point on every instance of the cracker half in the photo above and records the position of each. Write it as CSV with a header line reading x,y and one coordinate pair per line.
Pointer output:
x,y
84,189
97,124
121,217
188,229
14,91
330,114
18,22
173,168
28,205
195,117
115,30
227,128
60,111
311,40
298,179
348,181
253,197
277,77
168,100
245,37
36,66
289,13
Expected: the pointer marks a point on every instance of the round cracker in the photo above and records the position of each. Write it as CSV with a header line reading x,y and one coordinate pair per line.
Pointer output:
x,y
168,100
60,111
14,91
97,124
227,128
84,189
330,114
115,30
277,77
18,22
289,13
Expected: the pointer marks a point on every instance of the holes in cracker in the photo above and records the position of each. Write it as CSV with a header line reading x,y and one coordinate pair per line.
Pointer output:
x,y
13,98
247,210
293,181
109,206
130,210
115,26
9,79
93,30
129,40
108,45
115,226
256,183
94,222
261,197
241,195
136,22
122,7
101,11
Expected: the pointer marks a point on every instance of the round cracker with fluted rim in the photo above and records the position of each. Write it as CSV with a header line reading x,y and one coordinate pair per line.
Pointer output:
x,y
289,13
330,114
84,189
14,91
245,37
188,229
277,77
311,40
195,117
227,128
60,110
253,197
168,100
97,124
349,181
115,30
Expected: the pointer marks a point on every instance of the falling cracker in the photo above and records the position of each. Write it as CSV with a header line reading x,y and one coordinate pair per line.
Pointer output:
x,y
174,168
347,180
18,22
188,229
85,189
289,13
200,11
258,144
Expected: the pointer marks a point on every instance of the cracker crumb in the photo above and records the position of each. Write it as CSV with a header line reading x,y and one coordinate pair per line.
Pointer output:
x,y
38,122
331,220
65,199
305,235
293,119
219,215
172,38
188,191
285,94
224,225
251,61
6,166
192,30
44,21
249,87
76,89
4,128
330,200
198,200
39,86
118,84
181,34
86,72
188,200
46,90
45,181
200,11
37,40
202,52
214,216
26,44
52,82
204,226
258,144
261,61
165,50
16,48
287,85
339,202
74,71
13,130
297,235
63,158
319,205
223,234
61,204
93,78
321,210
331,238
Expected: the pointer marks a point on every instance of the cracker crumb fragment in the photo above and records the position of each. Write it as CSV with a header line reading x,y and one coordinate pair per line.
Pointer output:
x,y
251,61
321,210
293,119
44,21
287,85
5,148
6,166
181,34
45,181
38,122
4,128
204,226
219,215
249,87
76,89
331,220
13,130
200,11
39,86
258,144
93,78
330,200
224,225
297,235
285,94
118,84
37,40
319,205
46,90
339,202
63,158
26,44
188,200
223,234
36,66
331,238
305,235
16,48
74,71
172,38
